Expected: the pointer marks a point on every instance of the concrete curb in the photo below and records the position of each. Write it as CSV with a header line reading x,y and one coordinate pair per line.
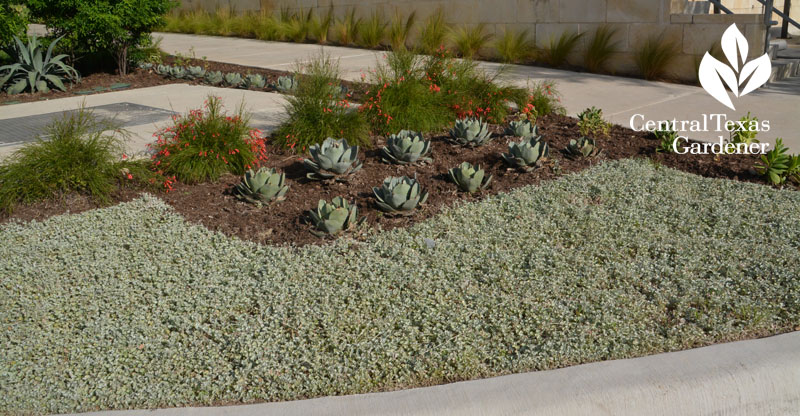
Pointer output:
x,y
755,377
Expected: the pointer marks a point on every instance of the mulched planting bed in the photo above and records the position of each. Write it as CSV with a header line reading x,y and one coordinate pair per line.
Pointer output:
x,y
101,82
215,205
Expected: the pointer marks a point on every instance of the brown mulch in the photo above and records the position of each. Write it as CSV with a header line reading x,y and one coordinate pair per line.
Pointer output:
x,y
215,206
139,78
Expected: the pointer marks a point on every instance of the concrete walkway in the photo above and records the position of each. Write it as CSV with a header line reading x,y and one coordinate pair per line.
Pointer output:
x,y
757,377
619,97
266,108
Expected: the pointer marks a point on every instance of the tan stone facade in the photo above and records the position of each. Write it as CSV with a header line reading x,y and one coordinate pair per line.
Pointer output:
x,y
635,20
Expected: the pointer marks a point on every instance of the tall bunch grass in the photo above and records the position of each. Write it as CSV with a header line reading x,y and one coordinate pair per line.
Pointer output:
x,y
320,109
77,153
558,50
469,41
399,30
347,29
433,35
373,31
515,47
400,96
600,49
320,27
654,55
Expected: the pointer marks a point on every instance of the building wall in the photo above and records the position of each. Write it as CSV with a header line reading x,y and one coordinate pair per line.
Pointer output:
x,y
635,20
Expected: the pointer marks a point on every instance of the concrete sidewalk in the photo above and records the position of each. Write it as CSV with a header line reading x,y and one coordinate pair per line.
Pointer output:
x,y
619,97
157,104
757,377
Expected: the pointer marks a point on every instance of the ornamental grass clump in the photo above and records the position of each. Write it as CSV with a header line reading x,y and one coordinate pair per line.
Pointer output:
x,y
372,31
401,97
399,29
77,153
433,35
515,47
600,49
206,143
558,50
469,41
654,55
320,108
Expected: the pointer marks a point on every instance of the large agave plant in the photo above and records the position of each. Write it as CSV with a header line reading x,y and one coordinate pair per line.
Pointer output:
x,y
527,154
334,217
262,187
406,147
195,72
233,79
286,85
254,81
213,78
35,70
522,128
470,132
470,178
399,195
332,160
583,147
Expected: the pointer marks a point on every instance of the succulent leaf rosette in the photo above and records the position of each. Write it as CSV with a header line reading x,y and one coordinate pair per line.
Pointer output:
x,y
399,195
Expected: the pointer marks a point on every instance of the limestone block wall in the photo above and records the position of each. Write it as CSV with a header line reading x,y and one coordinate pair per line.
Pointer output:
x,y
634,20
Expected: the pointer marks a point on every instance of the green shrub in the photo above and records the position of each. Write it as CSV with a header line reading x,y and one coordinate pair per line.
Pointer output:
x,y
514,47
13,21
81,154
399,30
558,49
545,99
600,49
469,91
34,69
748,133
654,55
205,143
372,31
105,26
433,34
591,123
470,40
666,139
777,165
400,97
319,109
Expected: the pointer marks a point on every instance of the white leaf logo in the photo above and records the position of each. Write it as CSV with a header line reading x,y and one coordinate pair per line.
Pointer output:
x,y
715,75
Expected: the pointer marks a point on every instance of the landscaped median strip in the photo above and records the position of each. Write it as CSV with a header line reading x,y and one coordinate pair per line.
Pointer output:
x,y
131,307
